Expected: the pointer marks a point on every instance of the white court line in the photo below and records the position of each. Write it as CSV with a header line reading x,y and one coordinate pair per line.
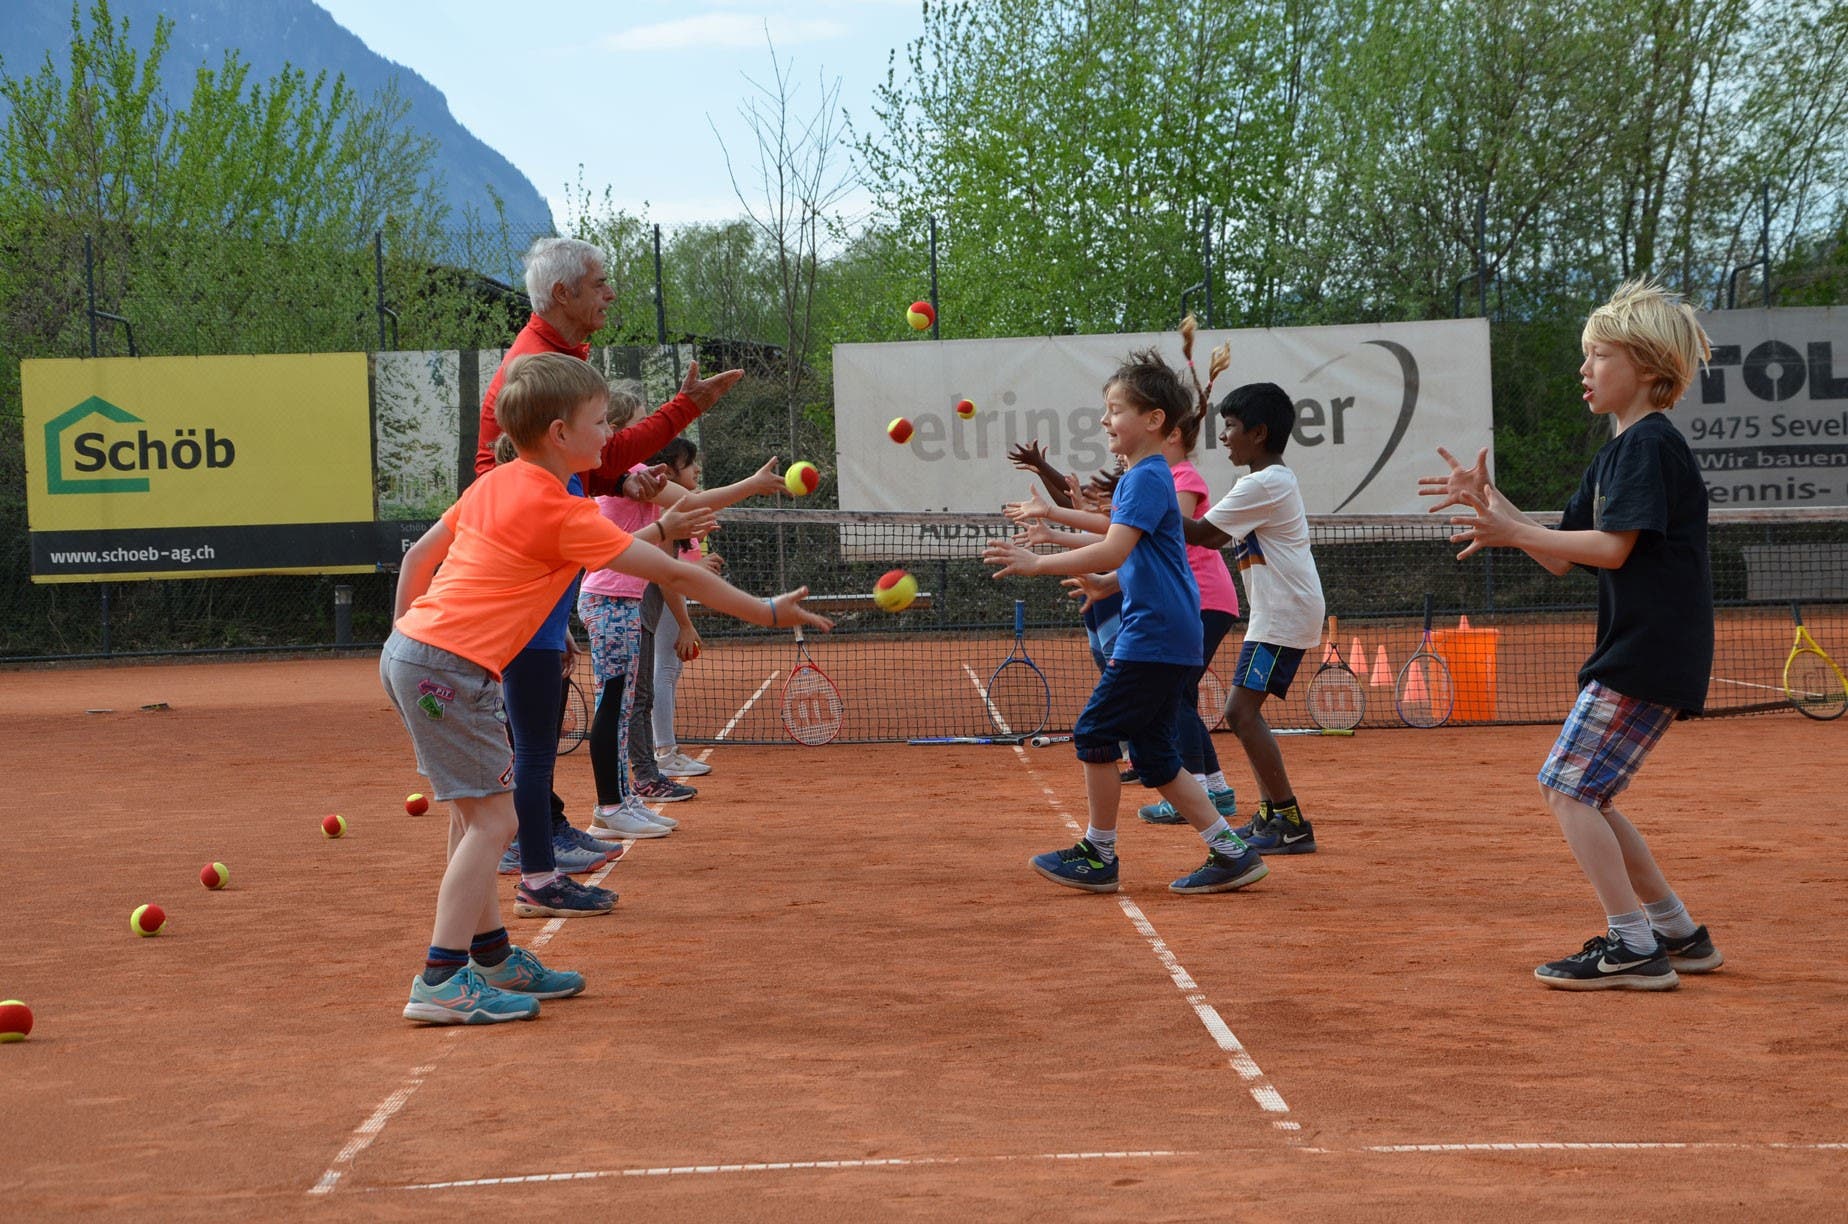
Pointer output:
x,y
746,707
981,692
1698,1145
372,1126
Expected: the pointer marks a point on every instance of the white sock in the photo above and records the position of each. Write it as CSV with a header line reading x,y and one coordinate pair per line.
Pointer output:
x,y
540,880
1633,929
1669,917
1216,781
1104,840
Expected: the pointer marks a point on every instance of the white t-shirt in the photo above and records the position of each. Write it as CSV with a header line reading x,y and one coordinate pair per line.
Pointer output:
x,y
1270,537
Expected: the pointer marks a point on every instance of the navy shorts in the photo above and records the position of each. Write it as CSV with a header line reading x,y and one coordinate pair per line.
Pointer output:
x,y
1135,702
1265,668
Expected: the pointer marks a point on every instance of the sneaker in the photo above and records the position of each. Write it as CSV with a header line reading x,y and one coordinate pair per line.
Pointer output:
x,y
620,822
522,974
1079,867
562,898
1607,963
677,764
1130,775
466,999
663,790
510,859
1281,835
573,859
1224,802
611,851
647,813
1250,828
1223,873
1691,953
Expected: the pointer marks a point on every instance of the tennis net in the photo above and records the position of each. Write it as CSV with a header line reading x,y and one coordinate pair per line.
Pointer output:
x,y
1513,635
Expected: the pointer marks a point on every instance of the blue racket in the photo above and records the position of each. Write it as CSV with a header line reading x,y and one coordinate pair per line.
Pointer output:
x,y
1018,698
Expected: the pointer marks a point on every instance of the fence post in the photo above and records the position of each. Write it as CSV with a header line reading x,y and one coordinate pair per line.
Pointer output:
x,y
343,615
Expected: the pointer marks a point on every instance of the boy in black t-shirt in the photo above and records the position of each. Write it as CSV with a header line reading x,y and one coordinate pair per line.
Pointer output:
x,y
1639,521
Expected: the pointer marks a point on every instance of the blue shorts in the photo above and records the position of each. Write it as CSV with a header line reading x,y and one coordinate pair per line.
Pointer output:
x,y
1604,742
1136,702
1264,668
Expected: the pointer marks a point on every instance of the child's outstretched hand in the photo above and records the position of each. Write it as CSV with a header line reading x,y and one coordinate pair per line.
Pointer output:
x,y
1011,557
1036,533
1028,457
679,523
642,486
766,481
1458,481
789,611
1089,587
1491,526
1032,508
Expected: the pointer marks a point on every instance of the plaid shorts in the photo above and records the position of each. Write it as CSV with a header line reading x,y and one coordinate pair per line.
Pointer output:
x,y
1603,744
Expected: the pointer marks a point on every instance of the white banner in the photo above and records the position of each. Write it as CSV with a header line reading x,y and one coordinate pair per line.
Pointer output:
x,y
1768,418
1372,402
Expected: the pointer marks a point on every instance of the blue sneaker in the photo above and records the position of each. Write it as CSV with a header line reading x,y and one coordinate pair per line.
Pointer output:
x,y
522,974
611,851
510,859
1224,802
1281,835
1223,873
573,859
1079,867
1259,819
562,898
466,999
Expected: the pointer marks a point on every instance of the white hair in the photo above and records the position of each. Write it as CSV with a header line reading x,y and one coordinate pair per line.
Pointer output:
x,y
559,261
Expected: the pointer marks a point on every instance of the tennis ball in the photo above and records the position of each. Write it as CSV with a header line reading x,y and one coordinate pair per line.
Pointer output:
x,y
921,316
965,409
147,920
895,590
801,479
416,805
899,430
334,826
15,1021
214,875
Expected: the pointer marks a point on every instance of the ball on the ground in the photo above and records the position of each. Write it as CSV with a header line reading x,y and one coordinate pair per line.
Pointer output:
x,y
921,316
333,826
895,590
801,479
15,1021
965,409
147,920
214,875
899,430
416,805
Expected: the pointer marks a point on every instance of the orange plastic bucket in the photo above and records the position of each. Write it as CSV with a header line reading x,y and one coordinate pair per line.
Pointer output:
x,y
1470,654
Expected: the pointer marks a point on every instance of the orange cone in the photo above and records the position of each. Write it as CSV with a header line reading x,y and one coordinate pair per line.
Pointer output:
x,y
1462,624
1357,656
1417,692
1382,670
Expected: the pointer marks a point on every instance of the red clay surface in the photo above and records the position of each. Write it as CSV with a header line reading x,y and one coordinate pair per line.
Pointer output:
x,y
842,957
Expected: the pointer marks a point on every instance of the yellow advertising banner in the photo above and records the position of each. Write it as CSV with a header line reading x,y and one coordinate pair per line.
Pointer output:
x,y
188,466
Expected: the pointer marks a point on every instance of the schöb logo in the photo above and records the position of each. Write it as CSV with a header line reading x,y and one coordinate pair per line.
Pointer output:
x,y
88,449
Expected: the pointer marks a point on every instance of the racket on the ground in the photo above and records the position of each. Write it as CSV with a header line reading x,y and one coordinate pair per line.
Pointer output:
x,y
1336,699
1212,701
1347,731
966,739
1423,691
1812,681
1018,698
1044,741
811,704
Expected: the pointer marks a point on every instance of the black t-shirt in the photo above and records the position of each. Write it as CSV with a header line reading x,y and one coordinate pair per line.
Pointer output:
x,y
1655,613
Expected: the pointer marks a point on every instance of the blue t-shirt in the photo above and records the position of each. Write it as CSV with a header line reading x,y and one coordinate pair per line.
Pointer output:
x,y
551,635
1161,601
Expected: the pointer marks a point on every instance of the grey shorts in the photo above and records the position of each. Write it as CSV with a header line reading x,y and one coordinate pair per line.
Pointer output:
x,y
452,708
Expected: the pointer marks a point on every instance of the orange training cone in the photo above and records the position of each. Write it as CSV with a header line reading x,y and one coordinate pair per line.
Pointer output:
x,y
1462,624
1357,656
1416,690
1382,670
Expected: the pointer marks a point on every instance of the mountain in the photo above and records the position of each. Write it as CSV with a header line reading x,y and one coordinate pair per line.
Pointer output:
x,y
267,34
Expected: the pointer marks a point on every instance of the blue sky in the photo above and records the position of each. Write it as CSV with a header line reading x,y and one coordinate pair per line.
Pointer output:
x,y
627,89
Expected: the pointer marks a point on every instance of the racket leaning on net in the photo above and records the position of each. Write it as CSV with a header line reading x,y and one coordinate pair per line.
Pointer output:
x,y
1812,681
812,707
1336,699
1212,699
1423,691
1018,698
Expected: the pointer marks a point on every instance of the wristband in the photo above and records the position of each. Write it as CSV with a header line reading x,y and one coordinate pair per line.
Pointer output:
x,y
771,604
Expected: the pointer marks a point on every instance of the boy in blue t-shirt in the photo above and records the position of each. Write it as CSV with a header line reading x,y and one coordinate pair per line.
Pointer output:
x,y
1639,521
1157,650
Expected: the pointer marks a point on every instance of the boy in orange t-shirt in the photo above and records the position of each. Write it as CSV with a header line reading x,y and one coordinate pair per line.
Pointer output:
x,y
507,550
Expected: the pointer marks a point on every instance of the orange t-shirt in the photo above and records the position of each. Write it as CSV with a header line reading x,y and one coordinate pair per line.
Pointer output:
x,y
520,540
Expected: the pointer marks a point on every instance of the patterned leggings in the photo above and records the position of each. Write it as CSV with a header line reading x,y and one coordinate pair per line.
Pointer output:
x,y
614,624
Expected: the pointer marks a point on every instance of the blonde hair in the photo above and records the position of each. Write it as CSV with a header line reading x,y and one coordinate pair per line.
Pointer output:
x,y
627,402
541,388
504,450
1659,331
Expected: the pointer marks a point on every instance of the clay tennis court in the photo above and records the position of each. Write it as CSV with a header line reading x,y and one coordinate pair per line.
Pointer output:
x,y
838,992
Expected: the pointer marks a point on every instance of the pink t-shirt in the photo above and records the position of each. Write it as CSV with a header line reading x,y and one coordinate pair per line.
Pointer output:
x,y
1209,567
631,516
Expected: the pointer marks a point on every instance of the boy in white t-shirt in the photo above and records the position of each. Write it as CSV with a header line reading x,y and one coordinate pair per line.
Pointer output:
x,y
1263,519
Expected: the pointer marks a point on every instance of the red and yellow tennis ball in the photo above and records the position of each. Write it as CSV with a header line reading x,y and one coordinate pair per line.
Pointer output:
x,y
801,479
921,315
147,920
214,875
965,409
899,430
895,590
416,804
333,826
15,1021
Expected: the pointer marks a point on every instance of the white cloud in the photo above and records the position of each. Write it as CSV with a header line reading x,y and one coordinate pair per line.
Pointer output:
x,y
723,30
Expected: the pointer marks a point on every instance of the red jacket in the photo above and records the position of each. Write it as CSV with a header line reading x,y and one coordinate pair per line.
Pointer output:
x,y
622,452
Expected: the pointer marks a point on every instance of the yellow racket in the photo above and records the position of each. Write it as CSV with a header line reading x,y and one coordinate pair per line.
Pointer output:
x,y
1812,681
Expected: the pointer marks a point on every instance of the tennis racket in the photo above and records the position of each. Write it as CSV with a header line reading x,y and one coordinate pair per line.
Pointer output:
x,y
574,718
1012,740
1212,699
1336,699
1812,681
811,704
1045,741
1347,731
1018,698
1423,690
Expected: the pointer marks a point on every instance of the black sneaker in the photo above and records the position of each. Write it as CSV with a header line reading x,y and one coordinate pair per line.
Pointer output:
x,y
1255,825
1281,835
1691,953
1607,963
